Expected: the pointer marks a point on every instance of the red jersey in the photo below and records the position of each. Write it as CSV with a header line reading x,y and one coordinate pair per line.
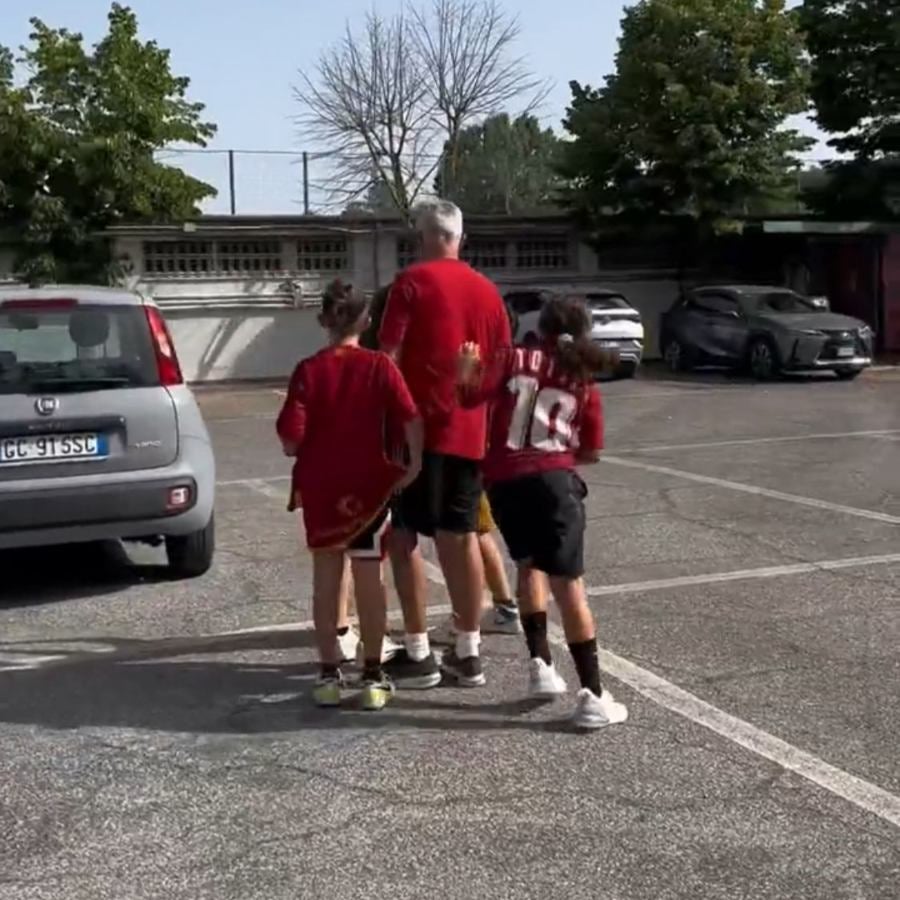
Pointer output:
x,y
540,419
433,308
345,408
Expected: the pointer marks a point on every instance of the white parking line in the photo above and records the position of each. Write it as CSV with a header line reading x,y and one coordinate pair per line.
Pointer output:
x,y
825,565
872,514
656,448
265,487
861,793
253,482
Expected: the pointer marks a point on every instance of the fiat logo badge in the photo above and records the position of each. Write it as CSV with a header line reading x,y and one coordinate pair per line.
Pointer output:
x,y
46,406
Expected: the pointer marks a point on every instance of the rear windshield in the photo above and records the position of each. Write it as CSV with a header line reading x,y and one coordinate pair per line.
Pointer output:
x,y
606,301
79,348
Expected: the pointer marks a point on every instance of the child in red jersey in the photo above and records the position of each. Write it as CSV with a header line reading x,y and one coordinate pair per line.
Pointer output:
x,y
344,408
546,419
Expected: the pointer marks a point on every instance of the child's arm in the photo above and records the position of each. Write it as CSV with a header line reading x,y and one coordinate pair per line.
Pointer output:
x,y
291,423
590,432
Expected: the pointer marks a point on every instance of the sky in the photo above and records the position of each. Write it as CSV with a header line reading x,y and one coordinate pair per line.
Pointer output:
x,y
243,59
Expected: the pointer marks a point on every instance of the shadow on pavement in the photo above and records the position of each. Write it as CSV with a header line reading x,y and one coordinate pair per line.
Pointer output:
x,y
138,685
38,575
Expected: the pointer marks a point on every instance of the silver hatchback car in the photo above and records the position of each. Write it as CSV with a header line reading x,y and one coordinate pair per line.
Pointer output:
x,y
100,438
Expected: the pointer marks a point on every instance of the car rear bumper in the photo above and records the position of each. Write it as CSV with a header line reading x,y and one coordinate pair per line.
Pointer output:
x,y
104,507
630,350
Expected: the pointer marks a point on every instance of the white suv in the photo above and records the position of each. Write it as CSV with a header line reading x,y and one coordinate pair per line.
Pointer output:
x,y
615,323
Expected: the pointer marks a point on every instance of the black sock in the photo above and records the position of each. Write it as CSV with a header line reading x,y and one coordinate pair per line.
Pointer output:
x,y
342,631
330,670
584,655
372,670
535,628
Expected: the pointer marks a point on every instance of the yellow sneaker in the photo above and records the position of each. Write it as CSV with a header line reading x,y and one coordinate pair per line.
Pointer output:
x,y
376,694
327,690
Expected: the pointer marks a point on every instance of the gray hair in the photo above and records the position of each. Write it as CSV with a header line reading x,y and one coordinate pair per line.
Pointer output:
x,y
442,217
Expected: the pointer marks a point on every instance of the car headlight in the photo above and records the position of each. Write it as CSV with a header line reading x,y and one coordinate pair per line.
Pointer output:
x,y
865,332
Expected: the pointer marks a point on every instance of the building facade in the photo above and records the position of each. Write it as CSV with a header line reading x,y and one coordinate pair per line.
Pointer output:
x,y
241,293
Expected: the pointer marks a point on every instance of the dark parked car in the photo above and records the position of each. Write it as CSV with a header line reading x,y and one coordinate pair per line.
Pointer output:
x,y
766,330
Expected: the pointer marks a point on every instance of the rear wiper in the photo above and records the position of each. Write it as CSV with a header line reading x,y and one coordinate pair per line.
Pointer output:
x,y
63,385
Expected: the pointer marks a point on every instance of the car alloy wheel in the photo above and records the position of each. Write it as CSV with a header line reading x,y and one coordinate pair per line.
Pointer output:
x,y
674,356
762,360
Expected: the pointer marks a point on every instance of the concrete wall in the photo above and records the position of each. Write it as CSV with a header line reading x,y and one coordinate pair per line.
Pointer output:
x,y
259,327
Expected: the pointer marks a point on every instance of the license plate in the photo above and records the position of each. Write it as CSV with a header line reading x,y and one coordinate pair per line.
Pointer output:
x,y
845,351
52,448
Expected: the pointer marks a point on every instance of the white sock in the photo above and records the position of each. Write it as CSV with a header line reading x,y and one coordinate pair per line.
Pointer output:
x,y
467,643
417,646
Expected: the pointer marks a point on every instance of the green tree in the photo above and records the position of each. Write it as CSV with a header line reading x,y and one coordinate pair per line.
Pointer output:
x,y
692,121
502,166
855,51
77,145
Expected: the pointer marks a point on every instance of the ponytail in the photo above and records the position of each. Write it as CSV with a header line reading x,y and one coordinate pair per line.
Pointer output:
x,y
567,321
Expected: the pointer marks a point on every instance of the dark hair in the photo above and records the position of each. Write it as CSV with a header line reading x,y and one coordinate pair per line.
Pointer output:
x,y
567,322
343,309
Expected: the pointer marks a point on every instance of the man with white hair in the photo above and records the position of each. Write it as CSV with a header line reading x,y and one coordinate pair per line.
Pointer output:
x,y
434,307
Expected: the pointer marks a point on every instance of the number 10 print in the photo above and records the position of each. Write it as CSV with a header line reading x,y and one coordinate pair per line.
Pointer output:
x,y
542,418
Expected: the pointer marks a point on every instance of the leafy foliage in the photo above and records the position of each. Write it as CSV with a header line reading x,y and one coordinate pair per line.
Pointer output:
x,y
503,166
692,121
855,50
77,145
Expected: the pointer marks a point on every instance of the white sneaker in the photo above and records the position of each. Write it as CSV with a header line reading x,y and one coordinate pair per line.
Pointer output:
x,y
594,712
389,649
545,682
348,645
501,618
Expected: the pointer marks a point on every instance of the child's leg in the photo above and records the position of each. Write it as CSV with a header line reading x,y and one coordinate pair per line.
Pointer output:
x,y
494,570
532,593
371,608
578,623
343,619
328,571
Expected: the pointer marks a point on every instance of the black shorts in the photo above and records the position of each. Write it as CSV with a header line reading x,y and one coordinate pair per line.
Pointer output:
x,y
542,520
370,544
443,498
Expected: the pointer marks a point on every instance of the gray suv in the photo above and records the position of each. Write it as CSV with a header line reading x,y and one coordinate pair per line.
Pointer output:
x,y
100,438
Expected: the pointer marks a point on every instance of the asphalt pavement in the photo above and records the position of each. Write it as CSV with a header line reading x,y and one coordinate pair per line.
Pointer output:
x,y
157,738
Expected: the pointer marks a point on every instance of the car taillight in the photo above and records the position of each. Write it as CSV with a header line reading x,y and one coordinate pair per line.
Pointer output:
x,y
166,360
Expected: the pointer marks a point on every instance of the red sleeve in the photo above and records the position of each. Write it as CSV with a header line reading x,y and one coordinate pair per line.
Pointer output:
x,y
590,433
396,314
291,424
400,404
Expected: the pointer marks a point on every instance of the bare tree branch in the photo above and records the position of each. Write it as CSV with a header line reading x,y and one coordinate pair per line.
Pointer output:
x,y
366,101
388,102
465,48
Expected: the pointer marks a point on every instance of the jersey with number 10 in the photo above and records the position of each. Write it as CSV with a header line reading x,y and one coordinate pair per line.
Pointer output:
x,y
540,419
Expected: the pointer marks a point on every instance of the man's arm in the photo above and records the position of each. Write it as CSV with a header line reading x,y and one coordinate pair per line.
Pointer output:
x,y
402,408
397,311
